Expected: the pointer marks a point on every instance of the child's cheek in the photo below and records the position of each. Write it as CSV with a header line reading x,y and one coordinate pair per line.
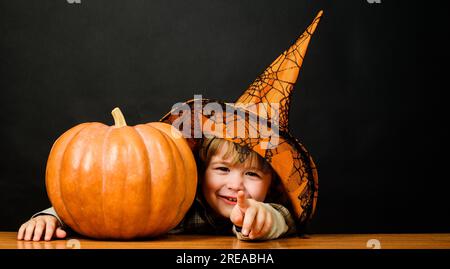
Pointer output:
x,y
256,191
214,180
218,178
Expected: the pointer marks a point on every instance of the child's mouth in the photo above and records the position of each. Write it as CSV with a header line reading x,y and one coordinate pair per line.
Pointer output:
x,y
228,199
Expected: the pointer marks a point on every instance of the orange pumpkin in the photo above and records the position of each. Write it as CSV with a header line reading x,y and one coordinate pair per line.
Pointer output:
x,y
121,182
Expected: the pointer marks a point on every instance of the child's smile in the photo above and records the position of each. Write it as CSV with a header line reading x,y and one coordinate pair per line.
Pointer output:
x,y
228,199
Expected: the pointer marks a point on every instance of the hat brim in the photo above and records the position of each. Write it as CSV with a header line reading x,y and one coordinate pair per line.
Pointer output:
x,y
288,157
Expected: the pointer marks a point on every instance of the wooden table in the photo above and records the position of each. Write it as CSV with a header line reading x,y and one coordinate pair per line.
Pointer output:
x,y
316,241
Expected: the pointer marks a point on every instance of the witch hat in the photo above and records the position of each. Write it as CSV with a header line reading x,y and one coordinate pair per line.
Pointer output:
x,y
275,84
259,121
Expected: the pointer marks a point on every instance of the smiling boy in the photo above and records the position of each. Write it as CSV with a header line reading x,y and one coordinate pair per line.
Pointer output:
x,y
231,196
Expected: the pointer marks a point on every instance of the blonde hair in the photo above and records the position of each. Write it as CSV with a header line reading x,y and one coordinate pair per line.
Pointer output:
x,y
238,154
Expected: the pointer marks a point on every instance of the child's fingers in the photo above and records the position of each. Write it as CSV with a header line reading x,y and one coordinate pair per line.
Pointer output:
x,y
236,216
267,224
38,229
49,228
29,230
21,231
258,224
60,233
242,202
248,220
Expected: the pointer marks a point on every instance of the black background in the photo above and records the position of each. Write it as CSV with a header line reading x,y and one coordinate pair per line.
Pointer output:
x,y
368,104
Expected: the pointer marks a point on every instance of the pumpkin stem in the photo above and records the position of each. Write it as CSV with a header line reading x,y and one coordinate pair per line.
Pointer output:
x,y
119,119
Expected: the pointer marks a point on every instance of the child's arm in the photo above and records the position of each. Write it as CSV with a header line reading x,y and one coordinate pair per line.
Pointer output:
x,y
46,220
259,221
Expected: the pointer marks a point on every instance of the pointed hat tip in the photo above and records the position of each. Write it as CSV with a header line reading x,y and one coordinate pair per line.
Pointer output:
x,y
316,21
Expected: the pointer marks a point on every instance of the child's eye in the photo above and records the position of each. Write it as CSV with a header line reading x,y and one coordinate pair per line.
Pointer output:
x,y
253,174
223,169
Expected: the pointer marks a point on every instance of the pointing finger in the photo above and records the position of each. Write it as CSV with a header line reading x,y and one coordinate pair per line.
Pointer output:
x,y
242,202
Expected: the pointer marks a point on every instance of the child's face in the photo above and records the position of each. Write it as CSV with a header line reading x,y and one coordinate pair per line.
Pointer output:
x,y
222,182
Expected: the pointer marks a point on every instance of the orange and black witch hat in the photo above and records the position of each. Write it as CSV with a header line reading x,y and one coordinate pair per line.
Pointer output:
x,y
259,121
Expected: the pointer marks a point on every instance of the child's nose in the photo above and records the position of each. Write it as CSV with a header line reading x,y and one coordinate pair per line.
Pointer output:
x,y
235,182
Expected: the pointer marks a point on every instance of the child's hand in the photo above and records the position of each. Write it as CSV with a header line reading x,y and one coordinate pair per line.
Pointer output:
x,y
35,227
249,214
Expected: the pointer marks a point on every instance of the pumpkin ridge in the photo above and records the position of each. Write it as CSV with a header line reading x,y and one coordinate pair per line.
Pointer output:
x,y
160,147
91,148
184,176
148,181
105,140
172,161
97,150
163,129
64,155
58,164
110,188
122,232
137,171
184,150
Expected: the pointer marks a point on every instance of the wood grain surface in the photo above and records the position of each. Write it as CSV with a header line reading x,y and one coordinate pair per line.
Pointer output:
x,y
316,241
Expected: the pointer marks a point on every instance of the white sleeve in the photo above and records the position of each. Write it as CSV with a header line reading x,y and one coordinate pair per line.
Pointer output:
x,y
50,211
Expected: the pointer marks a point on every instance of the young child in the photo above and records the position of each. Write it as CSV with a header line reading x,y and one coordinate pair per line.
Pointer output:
x,y
233,195
256,192
230,198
